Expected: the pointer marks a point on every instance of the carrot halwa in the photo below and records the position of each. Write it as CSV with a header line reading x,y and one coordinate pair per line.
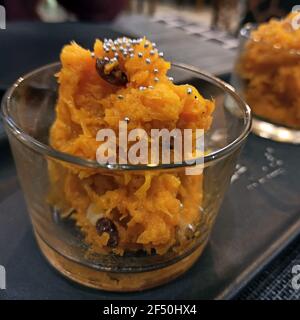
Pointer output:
x,y
270,67
123,210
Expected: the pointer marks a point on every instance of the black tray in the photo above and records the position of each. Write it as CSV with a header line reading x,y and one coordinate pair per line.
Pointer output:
x,y
259,217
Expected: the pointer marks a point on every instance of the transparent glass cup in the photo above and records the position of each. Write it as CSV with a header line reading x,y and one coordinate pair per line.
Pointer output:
x,y
266,77
28,110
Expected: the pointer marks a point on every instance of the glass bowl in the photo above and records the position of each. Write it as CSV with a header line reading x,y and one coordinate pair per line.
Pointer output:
x,y
28,110
267,77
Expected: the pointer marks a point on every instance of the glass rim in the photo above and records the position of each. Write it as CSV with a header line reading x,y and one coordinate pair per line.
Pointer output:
x,y
245,33
47,150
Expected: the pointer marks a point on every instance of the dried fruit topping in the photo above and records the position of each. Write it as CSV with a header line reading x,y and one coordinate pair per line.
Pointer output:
x,y
106,225
110,72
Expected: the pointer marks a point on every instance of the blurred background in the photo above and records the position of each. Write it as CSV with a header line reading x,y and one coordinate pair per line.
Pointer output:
x,y
203,33
226,15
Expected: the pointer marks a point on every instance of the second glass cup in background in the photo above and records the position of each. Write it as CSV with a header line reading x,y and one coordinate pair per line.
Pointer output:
x,y
266,77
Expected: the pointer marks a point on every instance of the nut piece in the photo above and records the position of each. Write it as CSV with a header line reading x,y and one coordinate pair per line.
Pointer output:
x,y
115,76
106,225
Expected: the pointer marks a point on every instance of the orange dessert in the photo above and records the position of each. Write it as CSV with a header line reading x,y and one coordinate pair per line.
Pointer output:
x,y
270,67
124,211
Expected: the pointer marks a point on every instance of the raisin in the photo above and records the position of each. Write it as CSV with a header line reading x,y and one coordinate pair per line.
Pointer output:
x,y
116,76
106,225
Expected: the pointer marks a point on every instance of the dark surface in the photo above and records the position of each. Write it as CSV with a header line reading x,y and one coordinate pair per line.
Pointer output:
x,y
254,224
275,282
